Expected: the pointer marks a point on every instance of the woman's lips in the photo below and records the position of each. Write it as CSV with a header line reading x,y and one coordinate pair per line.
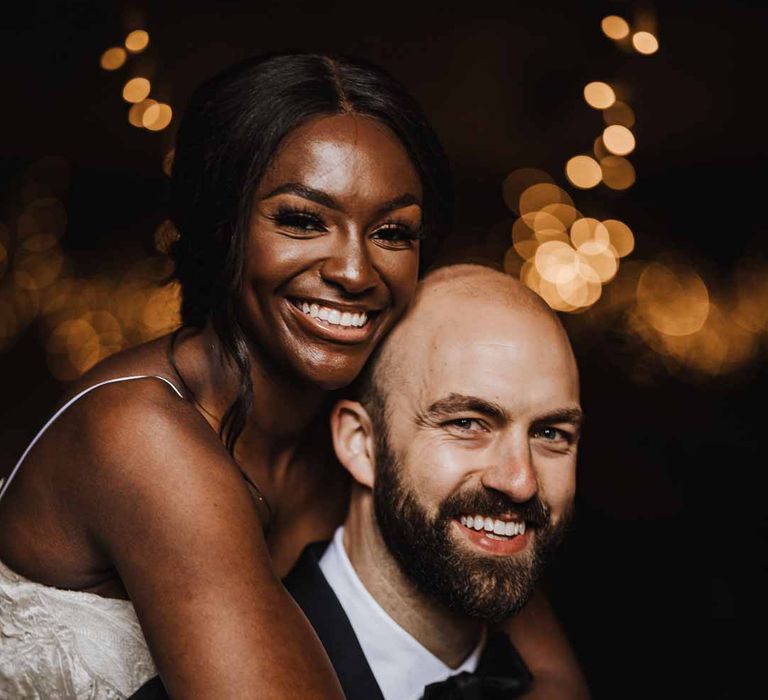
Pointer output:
x,y
349,326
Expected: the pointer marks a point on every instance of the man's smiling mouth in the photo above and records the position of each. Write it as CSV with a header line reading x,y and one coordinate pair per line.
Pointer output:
x,y
493,527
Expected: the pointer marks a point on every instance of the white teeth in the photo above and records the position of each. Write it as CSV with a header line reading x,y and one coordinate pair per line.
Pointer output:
x,y
334,316
510,528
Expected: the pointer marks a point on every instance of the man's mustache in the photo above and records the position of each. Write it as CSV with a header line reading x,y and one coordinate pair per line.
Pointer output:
x,y
493,504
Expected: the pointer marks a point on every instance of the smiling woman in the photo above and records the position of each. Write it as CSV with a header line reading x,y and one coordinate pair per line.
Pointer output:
x,y
179,481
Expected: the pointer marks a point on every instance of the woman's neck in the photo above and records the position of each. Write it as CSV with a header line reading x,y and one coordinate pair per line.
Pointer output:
x,y
283,406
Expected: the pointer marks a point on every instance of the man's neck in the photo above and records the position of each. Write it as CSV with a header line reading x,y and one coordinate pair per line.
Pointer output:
x,y
450,637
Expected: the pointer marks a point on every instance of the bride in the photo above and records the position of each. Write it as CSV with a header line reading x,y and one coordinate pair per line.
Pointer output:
x,y
148,524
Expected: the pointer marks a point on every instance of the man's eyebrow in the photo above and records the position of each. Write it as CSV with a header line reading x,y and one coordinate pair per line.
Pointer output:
x,y
326,200
458,403
564,415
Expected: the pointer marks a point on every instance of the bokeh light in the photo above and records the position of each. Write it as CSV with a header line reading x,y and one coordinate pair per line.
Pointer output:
x,y
615,27
645,43
674,301
113,58
619,113
621,237
136,112
583,172
618,172
540,195
618,139
599,95
520,180
136,90
137,41
156,117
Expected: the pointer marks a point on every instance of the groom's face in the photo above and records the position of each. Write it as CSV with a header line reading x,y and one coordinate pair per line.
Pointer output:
x,y
475,469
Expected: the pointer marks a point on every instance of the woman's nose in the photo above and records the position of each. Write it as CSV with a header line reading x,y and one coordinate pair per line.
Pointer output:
x,y
350,267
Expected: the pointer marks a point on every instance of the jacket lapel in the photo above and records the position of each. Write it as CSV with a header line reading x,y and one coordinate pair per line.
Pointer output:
x,y
316,598
500,659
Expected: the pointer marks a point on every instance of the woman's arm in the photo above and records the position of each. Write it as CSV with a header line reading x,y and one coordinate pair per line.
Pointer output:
x,y
538,637
173,514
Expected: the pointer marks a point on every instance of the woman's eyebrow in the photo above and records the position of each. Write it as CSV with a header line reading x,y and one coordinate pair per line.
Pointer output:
x,y
317,196
326,200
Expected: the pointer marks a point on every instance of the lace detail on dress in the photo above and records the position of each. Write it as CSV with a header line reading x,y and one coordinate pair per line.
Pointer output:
x,y
68,645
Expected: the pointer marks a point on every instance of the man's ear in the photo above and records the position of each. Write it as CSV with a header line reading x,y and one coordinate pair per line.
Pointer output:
x,y
354,441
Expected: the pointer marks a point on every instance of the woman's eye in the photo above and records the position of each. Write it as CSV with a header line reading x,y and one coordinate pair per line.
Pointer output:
x,y
299,221
396,234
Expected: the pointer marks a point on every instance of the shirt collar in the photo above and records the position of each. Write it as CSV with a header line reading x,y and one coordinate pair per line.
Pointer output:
x,y
402,666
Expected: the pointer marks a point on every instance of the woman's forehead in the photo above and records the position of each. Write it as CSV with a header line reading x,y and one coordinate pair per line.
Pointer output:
x,y
342,154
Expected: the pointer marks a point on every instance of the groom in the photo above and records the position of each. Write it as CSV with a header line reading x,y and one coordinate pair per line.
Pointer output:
x,y
462,450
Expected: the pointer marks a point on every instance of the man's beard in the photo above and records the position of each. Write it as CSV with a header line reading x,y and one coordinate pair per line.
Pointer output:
x,y
487,587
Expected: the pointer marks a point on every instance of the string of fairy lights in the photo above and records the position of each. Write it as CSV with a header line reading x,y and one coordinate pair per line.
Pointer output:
x,y
578,264
569,259
145,112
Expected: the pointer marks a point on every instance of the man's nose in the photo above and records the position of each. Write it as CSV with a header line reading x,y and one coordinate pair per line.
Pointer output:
x,y
511,470
349,266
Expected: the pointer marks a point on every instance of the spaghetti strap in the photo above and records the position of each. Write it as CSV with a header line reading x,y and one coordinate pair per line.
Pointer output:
x,y
5,483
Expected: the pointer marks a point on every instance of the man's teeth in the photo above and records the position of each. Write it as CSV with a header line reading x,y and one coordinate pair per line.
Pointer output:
x,y
334,316
497,527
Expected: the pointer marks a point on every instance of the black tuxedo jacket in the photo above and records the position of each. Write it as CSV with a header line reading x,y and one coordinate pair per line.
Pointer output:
x,y
316,598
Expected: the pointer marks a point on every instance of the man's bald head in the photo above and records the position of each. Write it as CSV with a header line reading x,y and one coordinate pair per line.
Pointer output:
x,y
457,300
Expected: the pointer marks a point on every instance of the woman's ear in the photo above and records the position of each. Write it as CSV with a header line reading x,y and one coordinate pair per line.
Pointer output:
x,y
354,441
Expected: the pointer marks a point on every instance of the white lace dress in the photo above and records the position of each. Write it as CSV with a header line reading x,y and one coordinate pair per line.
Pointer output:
x,y
67,645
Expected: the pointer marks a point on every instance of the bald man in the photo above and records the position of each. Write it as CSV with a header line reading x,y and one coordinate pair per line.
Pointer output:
x,y
461,446
462,450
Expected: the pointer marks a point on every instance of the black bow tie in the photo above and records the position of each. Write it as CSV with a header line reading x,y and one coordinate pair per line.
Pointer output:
x,y
468,686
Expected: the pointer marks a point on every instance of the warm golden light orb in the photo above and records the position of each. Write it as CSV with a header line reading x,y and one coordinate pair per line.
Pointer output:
x,y
113,58
157,117
615,27
645,43
618,172
583,172
618,139
136,113
599,95
520,180
136,90
619,113
674,301
137,41
539,196
621,237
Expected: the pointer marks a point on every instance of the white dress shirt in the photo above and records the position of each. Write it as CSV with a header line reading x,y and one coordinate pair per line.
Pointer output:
x,y
401,665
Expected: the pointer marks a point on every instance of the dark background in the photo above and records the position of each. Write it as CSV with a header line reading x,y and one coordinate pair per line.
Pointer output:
x,y
667,555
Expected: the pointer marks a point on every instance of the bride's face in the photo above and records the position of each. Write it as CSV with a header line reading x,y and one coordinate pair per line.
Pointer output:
x,y
332,249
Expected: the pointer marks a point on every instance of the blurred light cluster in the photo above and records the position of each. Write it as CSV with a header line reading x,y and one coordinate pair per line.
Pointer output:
x,y
145,112
693,328
82,320
641,38
562,255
